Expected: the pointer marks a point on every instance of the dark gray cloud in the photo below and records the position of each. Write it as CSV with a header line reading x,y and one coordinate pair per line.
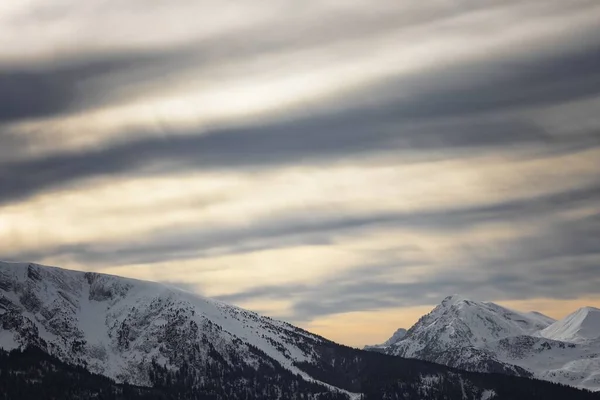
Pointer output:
x,y
561,260
529,268
478,106
30,90
491,85
296,143
35,91
437,111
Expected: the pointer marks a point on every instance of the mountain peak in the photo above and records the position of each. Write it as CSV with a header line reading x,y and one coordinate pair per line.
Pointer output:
x,y
580,326
539,314
457,301
458,321
542,318
454,299
396,337
588,309
486,337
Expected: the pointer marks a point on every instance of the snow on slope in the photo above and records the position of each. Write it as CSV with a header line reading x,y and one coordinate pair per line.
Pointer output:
x,y
118,326
543,319
464,322
581,326
398,335
568,363
486,337
456,333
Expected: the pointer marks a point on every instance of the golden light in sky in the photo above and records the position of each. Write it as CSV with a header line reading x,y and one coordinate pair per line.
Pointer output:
x,y
340,165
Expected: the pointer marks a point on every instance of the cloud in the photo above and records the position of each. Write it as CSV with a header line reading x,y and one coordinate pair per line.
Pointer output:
x,y
296,228
548,250
357,157
34,91
449,111
98,75
345,293
559,259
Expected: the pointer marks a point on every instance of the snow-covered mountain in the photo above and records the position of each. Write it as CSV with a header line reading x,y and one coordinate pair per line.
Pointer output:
x,y
182,345
118,327
582,326
544,319
396,337
486,337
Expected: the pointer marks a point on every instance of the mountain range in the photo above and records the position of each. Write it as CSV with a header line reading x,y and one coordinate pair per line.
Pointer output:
x,y
486,337
93,336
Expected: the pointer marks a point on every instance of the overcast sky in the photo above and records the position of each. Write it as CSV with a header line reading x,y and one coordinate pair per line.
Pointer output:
x,y
343,165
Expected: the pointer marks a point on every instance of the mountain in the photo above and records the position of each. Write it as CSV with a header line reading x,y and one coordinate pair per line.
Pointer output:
x,y
544,319
457,331
486,337
396,337
122,328
32,374
579,327
89,335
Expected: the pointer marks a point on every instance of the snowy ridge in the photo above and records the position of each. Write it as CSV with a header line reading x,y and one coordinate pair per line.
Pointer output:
x,y
543,319
461,322
134,331
579,327
396,337
118,326
130,330
486,337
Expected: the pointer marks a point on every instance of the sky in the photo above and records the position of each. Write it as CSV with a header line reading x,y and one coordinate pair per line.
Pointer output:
x,y
342,165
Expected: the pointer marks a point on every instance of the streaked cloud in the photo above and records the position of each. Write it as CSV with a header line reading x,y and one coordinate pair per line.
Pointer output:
x,y
323,162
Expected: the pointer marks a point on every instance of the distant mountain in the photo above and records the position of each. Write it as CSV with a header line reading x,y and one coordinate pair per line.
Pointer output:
x,y
582,326
486,337
397,336
92,336
544,319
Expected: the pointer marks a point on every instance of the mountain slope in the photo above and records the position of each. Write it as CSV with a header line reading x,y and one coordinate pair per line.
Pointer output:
x,y
486,337
579,327
121,327
185,346
544,319
465,326
33,374
396,337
